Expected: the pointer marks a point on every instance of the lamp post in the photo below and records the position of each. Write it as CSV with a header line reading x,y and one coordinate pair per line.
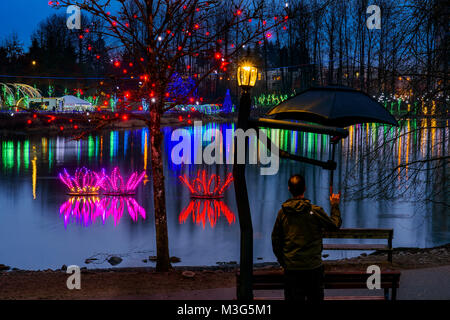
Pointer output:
x,y
246,76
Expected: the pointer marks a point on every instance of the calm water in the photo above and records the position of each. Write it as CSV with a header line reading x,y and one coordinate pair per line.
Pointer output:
x,y
39,231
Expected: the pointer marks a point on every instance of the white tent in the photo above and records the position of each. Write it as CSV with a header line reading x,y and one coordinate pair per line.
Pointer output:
x,y
74,103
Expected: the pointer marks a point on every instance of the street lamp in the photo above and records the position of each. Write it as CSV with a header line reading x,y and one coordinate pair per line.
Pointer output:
x,y
246,76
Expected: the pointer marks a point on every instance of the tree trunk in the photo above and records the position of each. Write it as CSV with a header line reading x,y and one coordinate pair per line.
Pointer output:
x,y
159,199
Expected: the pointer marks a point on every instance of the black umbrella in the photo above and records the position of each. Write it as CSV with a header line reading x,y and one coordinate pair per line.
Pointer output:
x,y
333,106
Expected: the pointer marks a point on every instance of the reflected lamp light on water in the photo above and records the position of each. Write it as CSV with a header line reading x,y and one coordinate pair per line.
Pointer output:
x,y
247,75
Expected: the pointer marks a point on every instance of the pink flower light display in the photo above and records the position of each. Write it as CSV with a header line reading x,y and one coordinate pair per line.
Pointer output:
x,y
83,210
206,188
86,210
114,185
114,206
83,183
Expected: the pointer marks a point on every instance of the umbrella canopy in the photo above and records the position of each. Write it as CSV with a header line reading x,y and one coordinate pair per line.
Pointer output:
x,y
333,106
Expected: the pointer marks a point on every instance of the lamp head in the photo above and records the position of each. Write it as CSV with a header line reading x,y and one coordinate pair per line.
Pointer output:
x,y
247,75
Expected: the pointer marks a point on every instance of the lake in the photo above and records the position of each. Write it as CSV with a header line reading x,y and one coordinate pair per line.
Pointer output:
x,y
39,229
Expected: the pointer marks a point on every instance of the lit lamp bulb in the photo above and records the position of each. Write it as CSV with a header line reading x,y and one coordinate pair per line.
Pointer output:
x,y
247,76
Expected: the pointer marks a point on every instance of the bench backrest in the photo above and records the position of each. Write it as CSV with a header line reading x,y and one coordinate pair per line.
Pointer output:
x,y
356,233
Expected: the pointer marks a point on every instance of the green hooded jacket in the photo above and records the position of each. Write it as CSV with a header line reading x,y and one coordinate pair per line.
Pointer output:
x,y
298,232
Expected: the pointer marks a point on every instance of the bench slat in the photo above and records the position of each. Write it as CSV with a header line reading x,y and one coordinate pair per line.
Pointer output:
x,y
359,233
347,246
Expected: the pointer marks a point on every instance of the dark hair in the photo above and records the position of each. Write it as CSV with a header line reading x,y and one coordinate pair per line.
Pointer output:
x,y
296,185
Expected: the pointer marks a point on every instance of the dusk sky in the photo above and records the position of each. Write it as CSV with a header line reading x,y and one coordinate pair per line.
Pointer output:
x,y
22,17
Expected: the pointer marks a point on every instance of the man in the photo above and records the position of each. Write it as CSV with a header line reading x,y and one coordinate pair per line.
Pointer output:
x,y
297,241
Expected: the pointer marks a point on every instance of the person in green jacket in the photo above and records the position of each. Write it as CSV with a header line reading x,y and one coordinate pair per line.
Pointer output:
x,y
297,241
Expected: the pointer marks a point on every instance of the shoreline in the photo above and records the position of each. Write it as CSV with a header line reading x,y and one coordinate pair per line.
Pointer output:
x,y
168,120
403,258
145,282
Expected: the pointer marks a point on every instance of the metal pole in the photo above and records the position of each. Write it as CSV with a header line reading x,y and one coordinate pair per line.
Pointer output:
x,y
334,141
245,284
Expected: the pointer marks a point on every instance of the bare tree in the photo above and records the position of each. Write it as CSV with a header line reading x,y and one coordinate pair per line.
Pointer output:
x,y
163,37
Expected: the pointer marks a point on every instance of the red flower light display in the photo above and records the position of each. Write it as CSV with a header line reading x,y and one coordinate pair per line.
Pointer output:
x,y
206,188
207,210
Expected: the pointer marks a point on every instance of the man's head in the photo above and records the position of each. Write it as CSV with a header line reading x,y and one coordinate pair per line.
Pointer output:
x,y
296,185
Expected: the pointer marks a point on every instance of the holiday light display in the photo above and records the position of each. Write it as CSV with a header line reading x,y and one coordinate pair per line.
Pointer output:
x,y
206,188
14,94
201,108
181,87
86,210
271,99
83,183
203,211
86,182
116,185
227,105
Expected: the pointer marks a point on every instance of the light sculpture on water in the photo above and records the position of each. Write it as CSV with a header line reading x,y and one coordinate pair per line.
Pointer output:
x,y
83,183
115,185
86,182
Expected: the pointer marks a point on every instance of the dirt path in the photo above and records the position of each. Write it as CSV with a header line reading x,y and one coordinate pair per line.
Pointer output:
x,y
144,283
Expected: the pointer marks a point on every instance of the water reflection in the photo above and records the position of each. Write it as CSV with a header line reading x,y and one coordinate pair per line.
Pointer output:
x,y
204,211
86,210
386,160
211,187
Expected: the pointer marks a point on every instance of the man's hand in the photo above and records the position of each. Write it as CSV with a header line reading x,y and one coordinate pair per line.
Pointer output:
x,y
335,198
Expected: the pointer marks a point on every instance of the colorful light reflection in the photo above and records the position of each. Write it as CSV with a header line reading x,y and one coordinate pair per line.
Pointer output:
x,y
206,188
206,210
86,210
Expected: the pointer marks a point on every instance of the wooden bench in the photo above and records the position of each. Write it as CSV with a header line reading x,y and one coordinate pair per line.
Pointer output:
x,y
387,234
274,280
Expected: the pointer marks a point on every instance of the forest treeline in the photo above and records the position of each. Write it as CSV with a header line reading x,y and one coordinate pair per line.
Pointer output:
x,y
322,42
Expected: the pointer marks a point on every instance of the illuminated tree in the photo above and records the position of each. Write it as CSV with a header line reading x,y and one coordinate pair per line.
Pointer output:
x,y
162,37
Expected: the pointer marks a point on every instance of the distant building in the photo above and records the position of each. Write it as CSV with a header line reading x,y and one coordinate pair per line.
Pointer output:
x,y
48,104
71,103
61,104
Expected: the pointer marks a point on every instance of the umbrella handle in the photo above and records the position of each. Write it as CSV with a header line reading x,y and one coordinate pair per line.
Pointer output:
x,y
331,191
